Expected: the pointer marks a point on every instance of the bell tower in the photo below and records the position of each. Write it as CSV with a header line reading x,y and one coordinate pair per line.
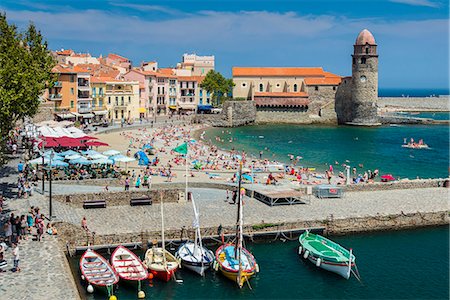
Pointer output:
x,y
364,80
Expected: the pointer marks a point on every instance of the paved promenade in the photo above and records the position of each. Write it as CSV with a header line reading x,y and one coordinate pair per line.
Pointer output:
x,y
214,210
45,272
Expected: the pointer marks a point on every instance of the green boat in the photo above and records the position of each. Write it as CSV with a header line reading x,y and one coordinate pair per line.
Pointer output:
x,y
327,254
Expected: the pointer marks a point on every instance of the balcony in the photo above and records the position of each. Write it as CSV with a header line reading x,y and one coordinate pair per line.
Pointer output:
x,y
119,91
99,108
55,97
84,109
84,95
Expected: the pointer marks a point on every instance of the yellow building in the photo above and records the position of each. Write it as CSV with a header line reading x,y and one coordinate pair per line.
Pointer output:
x,y
118,99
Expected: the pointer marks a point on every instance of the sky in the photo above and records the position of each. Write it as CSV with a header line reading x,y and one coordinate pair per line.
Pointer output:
x,y
412,35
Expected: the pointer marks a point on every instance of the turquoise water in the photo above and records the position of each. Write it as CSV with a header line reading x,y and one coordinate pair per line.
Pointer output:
x,y
409,264
430,115
374,148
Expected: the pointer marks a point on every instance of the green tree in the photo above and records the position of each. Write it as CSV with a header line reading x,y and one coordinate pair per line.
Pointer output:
x,y
25,72
217,85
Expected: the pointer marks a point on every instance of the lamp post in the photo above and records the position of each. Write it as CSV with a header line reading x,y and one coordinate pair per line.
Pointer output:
x,y
50,186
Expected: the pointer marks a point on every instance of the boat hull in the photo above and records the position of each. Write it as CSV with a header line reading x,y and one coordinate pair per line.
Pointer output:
x,y
163,275
196,267
232,275
225,255
162,268
192,258
340,269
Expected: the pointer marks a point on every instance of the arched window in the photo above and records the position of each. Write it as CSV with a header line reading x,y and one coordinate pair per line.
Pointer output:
x,y
295,87
261,87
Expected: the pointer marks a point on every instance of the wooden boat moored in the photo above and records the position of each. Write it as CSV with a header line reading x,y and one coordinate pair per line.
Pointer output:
x,y
161,263
96,270
195,257
327,254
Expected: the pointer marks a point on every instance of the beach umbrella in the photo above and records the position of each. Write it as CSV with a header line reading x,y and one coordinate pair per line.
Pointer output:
x,y
198,166
59,163
68,152
96,144
55,156
124,159
387,177
103,161
72,156
80,161
90,152
86,138
97,156
38,161
111,152
247,177
147,146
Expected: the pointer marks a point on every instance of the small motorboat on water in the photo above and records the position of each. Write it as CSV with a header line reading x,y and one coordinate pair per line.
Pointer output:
x,y
327,254
415,146
96,270
128,266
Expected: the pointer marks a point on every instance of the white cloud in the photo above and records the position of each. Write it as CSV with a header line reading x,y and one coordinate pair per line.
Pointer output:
x,y
426,3
147,8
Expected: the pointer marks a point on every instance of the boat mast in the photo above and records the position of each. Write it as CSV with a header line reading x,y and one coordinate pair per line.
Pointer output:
x,y
162,232
198,237
240,225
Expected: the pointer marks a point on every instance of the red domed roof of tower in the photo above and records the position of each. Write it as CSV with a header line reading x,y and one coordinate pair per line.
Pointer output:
x,y
365,37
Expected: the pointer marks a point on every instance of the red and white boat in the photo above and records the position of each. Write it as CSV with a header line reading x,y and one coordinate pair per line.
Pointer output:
x,y
127,265
97,271
161,263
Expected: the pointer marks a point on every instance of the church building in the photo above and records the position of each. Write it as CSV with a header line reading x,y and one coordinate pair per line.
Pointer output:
x,y
311,95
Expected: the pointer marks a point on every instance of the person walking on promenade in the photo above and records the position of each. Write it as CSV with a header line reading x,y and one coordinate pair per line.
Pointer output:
x,y
127,184
16,258
8,231
40,229
138,181
84,224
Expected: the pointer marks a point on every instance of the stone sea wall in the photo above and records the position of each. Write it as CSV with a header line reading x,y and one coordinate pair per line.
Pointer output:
x,y
234,114
120,198
416,103
73,236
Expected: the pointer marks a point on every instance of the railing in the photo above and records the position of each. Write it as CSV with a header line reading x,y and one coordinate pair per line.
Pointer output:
x,y
55,96
126,91
99,108
84,109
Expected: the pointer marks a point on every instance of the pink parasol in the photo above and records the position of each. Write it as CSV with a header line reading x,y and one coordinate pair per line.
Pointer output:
x,y
95,143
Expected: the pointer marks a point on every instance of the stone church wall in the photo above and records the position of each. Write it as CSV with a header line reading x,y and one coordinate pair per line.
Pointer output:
x,y
343,105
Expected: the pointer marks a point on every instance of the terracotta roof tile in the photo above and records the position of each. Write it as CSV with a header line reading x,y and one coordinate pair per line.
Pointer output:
x,y
257,71
114,56
66,52
281,94
198,79
281,102
323,81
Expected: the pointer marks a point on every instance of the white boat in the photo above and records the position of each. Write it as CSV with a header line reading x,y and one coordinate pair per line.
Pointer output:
x,y
192,254
195,258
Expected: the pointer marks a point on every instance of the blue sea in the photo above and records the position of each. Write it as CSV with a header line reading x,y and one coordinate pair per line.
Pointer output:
x,y
360,147
411,264
404,92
